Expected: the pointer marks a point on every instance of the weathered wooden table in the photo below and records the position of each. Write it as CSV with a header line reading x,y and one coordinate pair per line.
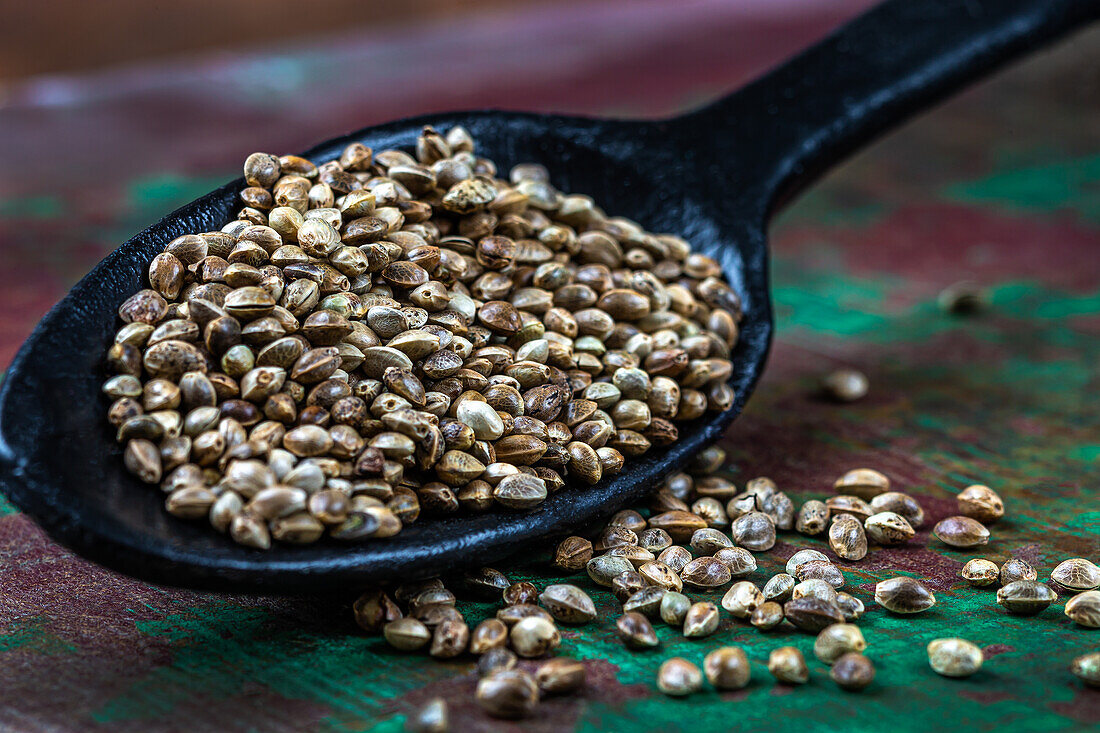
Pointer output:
x,y
1001,186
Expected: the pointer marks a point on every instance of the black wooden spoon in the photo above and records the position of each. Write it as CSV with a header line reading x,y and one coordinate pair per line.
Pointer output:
x,y
713,176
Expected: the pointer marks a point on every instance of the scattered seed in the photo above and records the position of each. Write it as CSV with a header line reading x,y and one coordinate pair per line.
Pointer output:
x,y
678,677
788,666
508,693
981,503
635,631
1076,575
853,672
727,668
1026,597
961,532
980,572
837,640
954,657
904,595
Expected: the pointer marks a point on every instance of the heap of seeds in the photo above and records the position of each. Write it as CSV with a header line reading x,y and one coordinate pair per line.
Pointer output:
x,y
387,334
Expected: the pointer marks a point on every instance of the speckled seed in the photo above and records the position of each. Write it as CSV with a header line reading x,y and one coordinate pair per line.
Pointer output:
x,y
813,518
560,676
804,556
899,503
635,631
888,528
572,554
847,538
727,668
646,601
779,587
507,693
814,588
568,604
1087,668
707,541
701,620
1017,569
904,595
449,639
705,572
676,557
407,634
754,531
1076,575
954,657
866,483
742,598
767,616
788,666
837,640
980,572
1026,597
659,574
740,561
981,503
853,672
820,570
496,659
678,677
961,532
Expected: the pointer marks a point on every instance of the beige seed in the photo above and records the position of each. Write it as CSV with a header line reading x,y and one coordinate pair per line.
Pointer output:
x,y
1017,569
853,672
742,598
961,532
1076,575
508,693
1087,668
904,595
980,572
888,528
635,631
981,503
1084,609
678,677
767,616
534,637
701,620
866,483
847,538
1025,597
432,717
568,604
560,676
837,640
788,666
954,657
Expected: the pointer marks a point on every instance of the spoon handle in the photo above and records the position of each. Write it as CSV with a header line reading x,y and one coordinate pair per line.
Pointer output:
x,y
786,128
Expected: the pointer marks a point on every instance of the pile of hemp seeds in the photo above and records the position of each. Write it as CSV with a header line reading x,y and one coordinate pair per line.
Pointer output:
x,y
388,336
698,534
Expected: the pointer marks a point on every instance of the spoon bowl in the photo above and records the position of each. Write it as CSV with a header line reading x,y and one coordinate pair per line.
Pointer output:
x,y
713,177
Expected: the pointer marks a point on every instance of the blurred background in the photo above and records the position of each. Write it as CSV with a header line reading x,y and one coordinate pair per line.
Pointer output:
x,y
115,112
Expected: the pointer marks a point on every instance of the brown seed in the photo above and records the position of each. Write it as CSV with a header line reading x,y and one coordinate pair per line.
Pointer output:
x,y
811,615
659,574
961,532
837,640
568,604
727,668
904,595
788,666
820,570
779,587
853,672
903,504
449,639
1025,597
605,568
847,538
980,572
508,693
981,503
678,677
520,593
866,483
500,317
701,620
739,560
767,615
848,504
635,631
573,554
560,676
680,525
489,634
496,659
373,610
407,634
